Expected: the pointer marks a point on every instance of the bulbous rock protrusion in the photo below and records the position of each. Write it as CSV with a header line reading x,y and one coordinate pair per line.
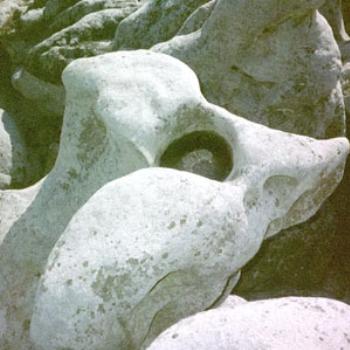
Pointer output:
x,y
144,245
123,111
286,323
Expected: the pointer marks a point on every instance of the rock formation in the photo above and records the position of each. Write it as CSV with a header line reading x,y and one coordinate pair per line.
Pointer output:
x,y
286,323
106,135
280,70
160,193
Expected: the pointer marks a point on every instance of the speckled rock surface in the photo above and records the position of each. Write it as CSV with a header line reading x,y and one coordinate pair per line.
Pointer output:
x,y
276,324
283,72
156,21
322,265
12,153
37,40
116,278
107,135
147,189
45,39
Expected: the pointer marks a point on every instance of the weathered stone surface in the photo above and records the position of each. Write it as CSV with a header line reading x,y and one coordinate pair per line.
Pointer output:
x,y
89,36
196,20
45,39
322,243
156,21
254,168
14,203
41,38
275,64
13,158
108,133
119,258
276,324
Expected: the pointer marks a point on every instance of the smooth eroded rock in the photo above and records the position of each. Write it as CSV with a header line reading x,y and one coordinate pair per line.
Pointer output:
x,y
276,324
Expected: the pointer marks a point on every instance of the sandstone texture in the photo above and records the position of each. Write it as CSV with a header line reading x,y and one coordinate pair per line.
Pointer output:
x,y
277,324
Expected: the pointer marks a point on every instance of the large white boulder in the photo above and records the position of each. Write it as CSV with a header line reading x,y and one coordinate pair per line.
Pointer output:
x,y
131,110
276,324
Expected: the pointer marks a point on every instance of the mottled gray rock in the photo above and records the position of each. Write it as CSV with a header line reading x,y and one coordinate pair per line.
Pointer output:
x,y
119,258
44,40
156,21
195,21
332,10
276,324
275,64
310,259
89,36
13,158
40,38
262,194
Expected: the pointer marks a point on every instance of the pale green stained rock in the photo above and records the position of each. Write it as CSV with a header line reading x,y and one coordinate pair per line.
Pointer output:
x,y
276,324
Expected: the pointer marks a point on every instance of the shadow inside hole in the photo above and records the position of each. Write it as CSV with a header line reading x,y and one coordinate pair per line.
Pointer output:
x,y
201,152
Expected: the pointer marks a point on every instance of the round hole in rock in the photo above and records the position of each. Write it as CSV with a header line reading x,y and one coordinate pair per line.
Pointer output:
x,y
201,152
